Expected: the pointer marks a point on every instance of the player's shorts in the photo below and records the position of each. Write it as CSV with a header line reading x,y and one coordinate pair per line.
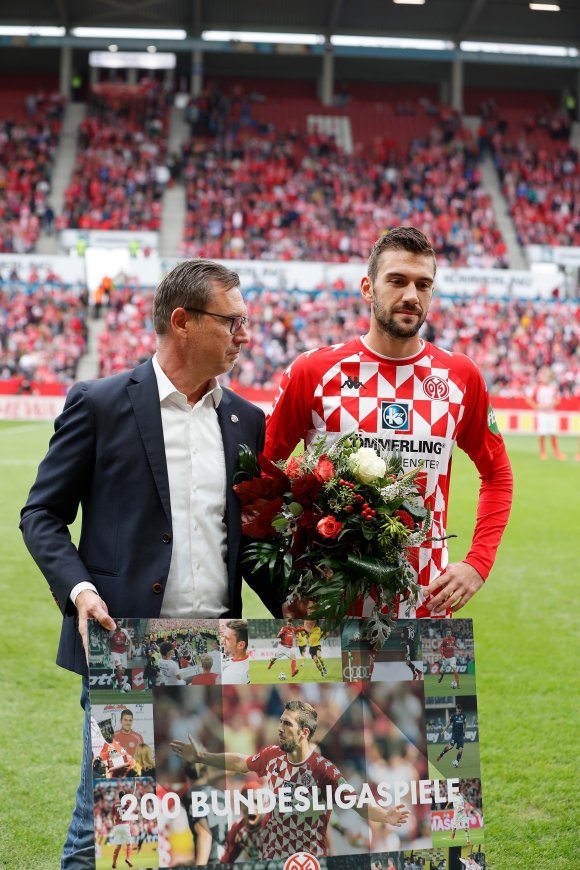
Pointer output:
x,y
457,741
314,650
283,652
119,659
546,423
449,664
459,821
122,835
302,649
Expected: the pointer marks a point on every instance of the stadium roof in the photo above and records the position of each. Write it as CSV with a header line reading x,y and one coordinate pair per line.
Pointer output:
x,y
485,20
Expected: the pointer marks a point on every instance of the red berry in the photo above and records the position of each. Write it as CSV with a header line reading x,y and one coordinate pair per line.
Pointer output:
x,y
348,508
359,498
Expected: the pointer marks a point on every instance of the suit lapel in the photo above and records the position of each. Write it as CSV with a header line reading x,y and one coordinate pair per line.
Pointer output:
x,y
230,438
144,396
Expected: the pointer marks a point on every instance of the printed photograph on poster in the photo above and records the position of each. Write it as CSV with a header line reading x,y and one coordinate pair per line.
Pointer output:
x,y
460,820
453,736
448,657
357,772
290,648
122,740
124,837
397,659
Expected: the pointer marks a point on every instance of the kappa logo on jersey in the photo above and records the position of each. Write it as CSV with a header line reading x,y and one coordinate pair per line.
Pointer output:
x,y
435,387
302,861
395,415
352,384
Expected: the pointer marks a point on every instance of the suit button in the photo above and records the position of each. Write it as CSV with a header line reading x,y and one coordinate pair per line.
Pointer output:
x,y
166,537
157,588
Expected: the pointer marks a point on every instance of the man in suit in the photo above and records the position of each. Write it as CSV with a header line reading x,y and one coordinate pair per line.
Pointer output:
x,y
149,455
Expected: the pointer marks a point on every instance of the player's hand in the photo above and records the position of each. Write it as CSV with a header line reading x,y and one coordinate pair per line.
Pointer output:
x,y
398,815
190,752
89,605
453,589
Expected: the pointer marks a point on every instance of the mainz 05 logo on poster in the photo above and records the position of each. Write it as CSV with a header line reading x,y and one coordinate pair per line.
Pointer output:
x,y
285,744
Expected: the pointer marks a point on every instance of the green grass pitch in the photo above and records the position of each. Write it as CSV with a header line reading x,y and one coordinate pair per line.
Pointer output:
x,y
443,838
147,857
307,671
434,688
527,686
469,766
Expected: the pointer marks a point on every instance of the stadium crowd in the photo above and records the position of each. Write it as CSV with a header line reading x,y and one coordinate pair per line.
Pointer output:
x,y
43,334
510,340
257,193
27,150
542,188
121,170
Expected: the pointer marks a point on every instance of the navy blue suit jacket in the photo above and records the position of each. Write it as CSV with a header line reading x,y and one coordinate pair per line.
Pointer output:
x,y
108,457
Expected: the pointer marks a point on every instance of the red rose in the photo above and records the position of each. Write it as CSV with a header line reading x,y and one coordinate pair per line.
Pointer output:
x,y
294,467
406,519
257,518
324,471
329,527
306,489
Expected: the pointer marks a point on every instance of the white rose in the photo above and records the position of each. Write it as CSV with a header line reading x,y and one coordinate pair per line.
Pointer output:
x,y
366,465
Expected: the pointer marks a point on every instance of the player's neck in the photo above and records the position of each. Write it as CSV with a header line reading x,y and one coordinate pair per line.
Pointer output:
x,y
391,346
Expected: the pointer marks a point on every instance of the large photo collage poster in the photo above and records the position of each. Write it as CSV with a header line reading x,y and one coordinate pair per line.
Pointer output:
x,y
198,725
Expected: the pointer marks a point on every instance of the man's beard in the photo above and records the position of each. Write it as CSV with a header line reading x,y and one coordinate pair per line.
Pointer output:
x,y
390,326
287,745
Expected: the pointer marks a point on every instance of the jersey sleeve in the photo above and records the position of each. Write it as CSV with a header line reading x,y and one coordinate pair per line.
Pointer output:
x,y
291,415
258,762
480,438
233,847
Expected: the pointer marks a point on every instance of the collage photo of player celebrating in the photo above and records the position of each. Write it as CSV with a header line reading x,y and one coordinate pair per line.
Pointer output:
x,y
266,738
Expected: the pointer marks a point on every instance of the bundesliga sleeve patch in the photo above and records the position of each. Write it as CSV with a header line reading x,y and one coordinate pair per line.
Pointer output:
x,y
491,421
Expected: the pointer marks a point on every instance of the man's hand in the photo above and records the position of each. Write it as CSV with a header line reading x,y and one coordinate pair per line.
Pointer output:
x,y
89,605
398,815
453,589
189,752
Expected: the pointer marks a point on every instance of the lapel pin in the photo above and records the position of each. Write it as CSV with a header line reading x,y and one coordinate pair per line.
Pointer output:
x,y
234,418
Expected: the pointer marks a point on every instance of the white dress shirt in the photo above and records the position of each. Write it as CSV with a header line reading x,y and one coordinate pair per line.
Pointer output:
x,y
197,584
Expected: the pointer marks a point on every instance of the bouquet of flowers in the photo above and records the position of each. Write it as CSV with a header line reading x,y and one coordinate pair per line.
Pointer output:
x,y
334,525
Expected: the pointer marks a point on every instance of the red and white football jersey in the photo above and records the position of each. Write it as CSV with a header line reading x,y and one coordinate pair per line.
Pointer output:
x,y
119,641
286,635
447,647
421,406
244,838
287,833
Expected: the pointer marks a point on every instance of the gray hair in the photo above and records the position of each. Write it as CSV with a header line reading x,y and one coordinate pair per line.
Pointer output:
x,y
189,284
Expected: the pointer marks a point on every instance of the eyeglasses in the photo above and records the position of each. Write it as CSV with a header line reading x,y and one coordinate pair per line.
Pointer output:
x,y
236,323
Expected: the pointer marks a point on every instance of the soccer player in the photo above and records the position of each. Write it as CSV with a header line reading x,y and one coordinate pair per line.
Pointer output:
x,y
121,652
409,645
168,668
128,738
448,663
457,721
460,820
236,669
121,832
315,636
291,763
206,850
207,676
301,642
545,400
285,648
244,839
410,396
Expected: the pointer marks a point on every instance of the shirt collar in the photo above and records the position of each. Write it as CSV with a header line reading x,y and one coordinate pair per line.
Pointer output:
x,y
167,389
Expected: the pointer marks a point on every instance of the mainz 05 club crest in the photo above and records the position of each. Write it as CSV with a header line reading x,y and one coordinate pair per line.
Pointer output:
x,y
285,745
